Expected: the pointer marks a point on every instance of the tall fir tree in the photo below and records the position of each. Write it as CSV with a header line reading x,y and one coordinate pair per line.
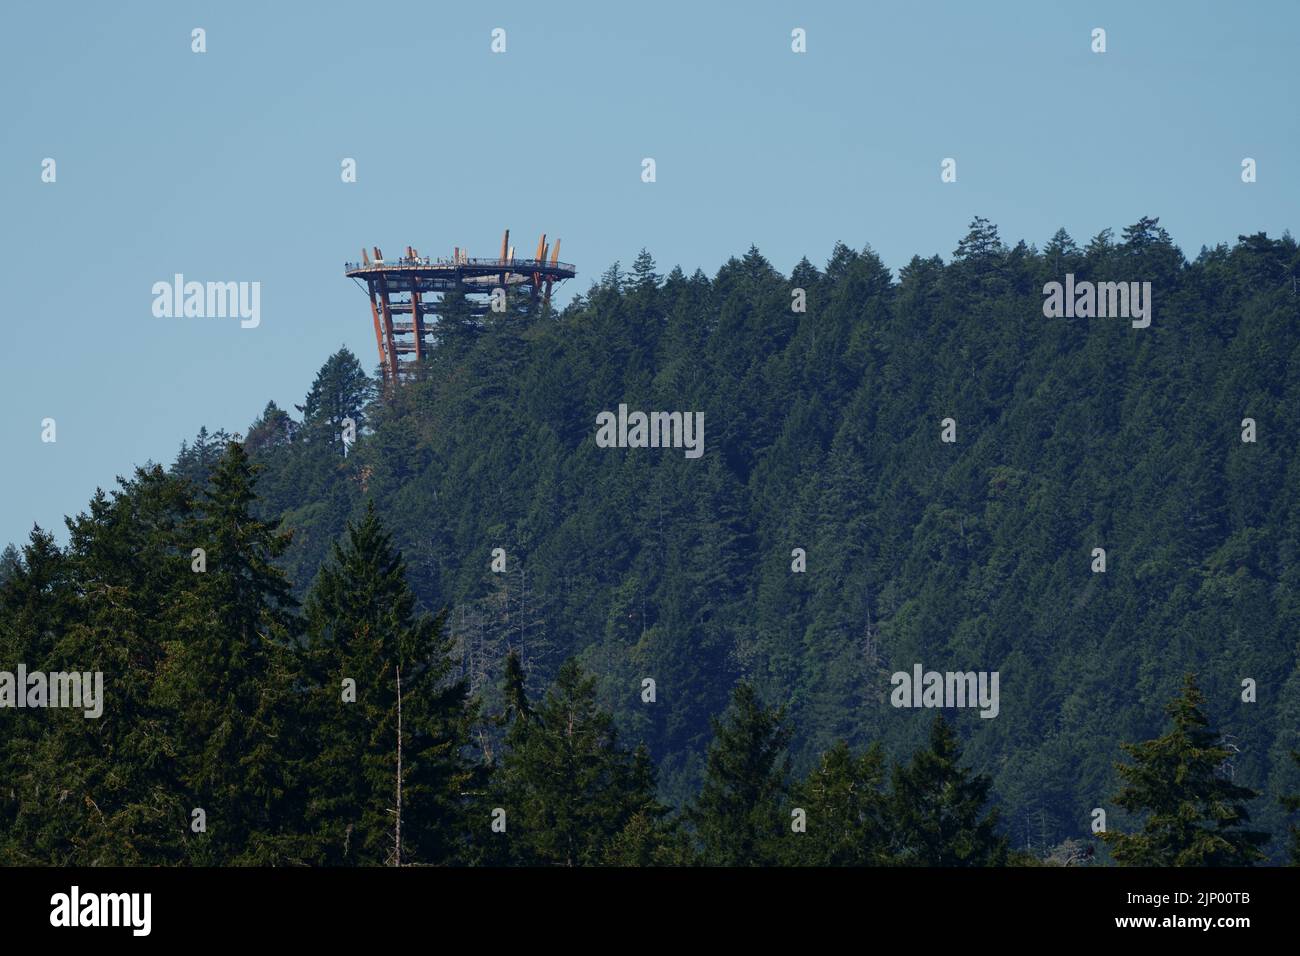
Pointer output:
x,y
573,795
340,391
124,803
228,679
37,609
937,808
391,728
739,818
847,812
1194,814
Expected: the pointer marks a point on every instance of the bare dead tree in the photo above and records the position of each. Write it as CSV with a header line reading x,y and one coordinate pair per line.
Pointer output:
x,y
511,615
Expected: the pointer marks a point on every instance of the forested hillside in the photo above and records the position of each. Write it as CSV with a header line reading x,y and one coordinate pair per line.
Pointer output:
x,y
822,433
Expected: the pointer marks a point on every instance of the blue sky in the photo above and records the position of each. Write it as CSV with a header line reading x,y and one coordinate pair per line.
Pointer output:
x,y
225,166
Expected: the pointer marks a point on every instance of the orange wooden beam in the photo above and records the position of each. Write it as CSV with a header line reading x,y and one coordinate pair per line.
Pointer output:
x,y
379,334
388,327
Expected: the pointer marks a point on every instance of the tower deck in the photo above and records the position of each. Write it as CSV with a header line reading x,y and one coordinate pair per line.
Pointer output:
x,y
414,285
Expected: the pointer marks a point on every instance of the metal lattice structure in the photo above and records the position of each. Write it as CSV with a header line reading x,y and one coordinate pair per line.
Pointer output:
x,y
406,294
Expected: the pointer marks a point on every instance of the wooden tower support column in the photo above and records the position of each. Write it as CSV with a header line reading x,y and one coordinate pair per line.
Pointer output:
x,y
388,320
374,315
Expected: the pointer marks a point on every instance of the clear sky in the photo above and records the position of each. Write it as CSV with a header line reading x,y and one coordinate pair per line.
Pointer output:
x,y
225,166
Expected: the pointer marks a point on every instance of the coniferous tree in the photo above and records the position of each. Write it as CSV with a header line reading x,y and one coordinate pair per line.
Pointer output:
x,y
94,784
384,710
228,681
10,563
128,560
196,461
1291,803
37,608
273,429
937,808
740,816
340,391
458,325
1195,815
516,709
572,795
651,836
847,812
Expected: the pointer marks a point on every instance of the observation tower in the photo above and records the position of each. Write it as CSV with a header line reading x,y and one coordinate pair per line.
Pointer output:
x,y
406,294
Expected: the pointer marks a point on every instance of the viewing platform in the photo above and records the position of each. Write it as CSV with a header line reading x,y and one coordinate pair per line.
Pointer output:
x,y
414,285
465,267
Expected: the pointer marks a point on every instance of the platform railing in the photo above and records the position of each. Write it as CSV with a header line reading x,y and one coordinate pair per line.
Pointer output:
x,y
513,265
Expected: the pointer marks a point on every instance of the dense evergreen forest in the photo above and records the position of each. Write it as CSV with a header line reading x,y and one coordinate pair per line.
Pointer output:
x,y
519,675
